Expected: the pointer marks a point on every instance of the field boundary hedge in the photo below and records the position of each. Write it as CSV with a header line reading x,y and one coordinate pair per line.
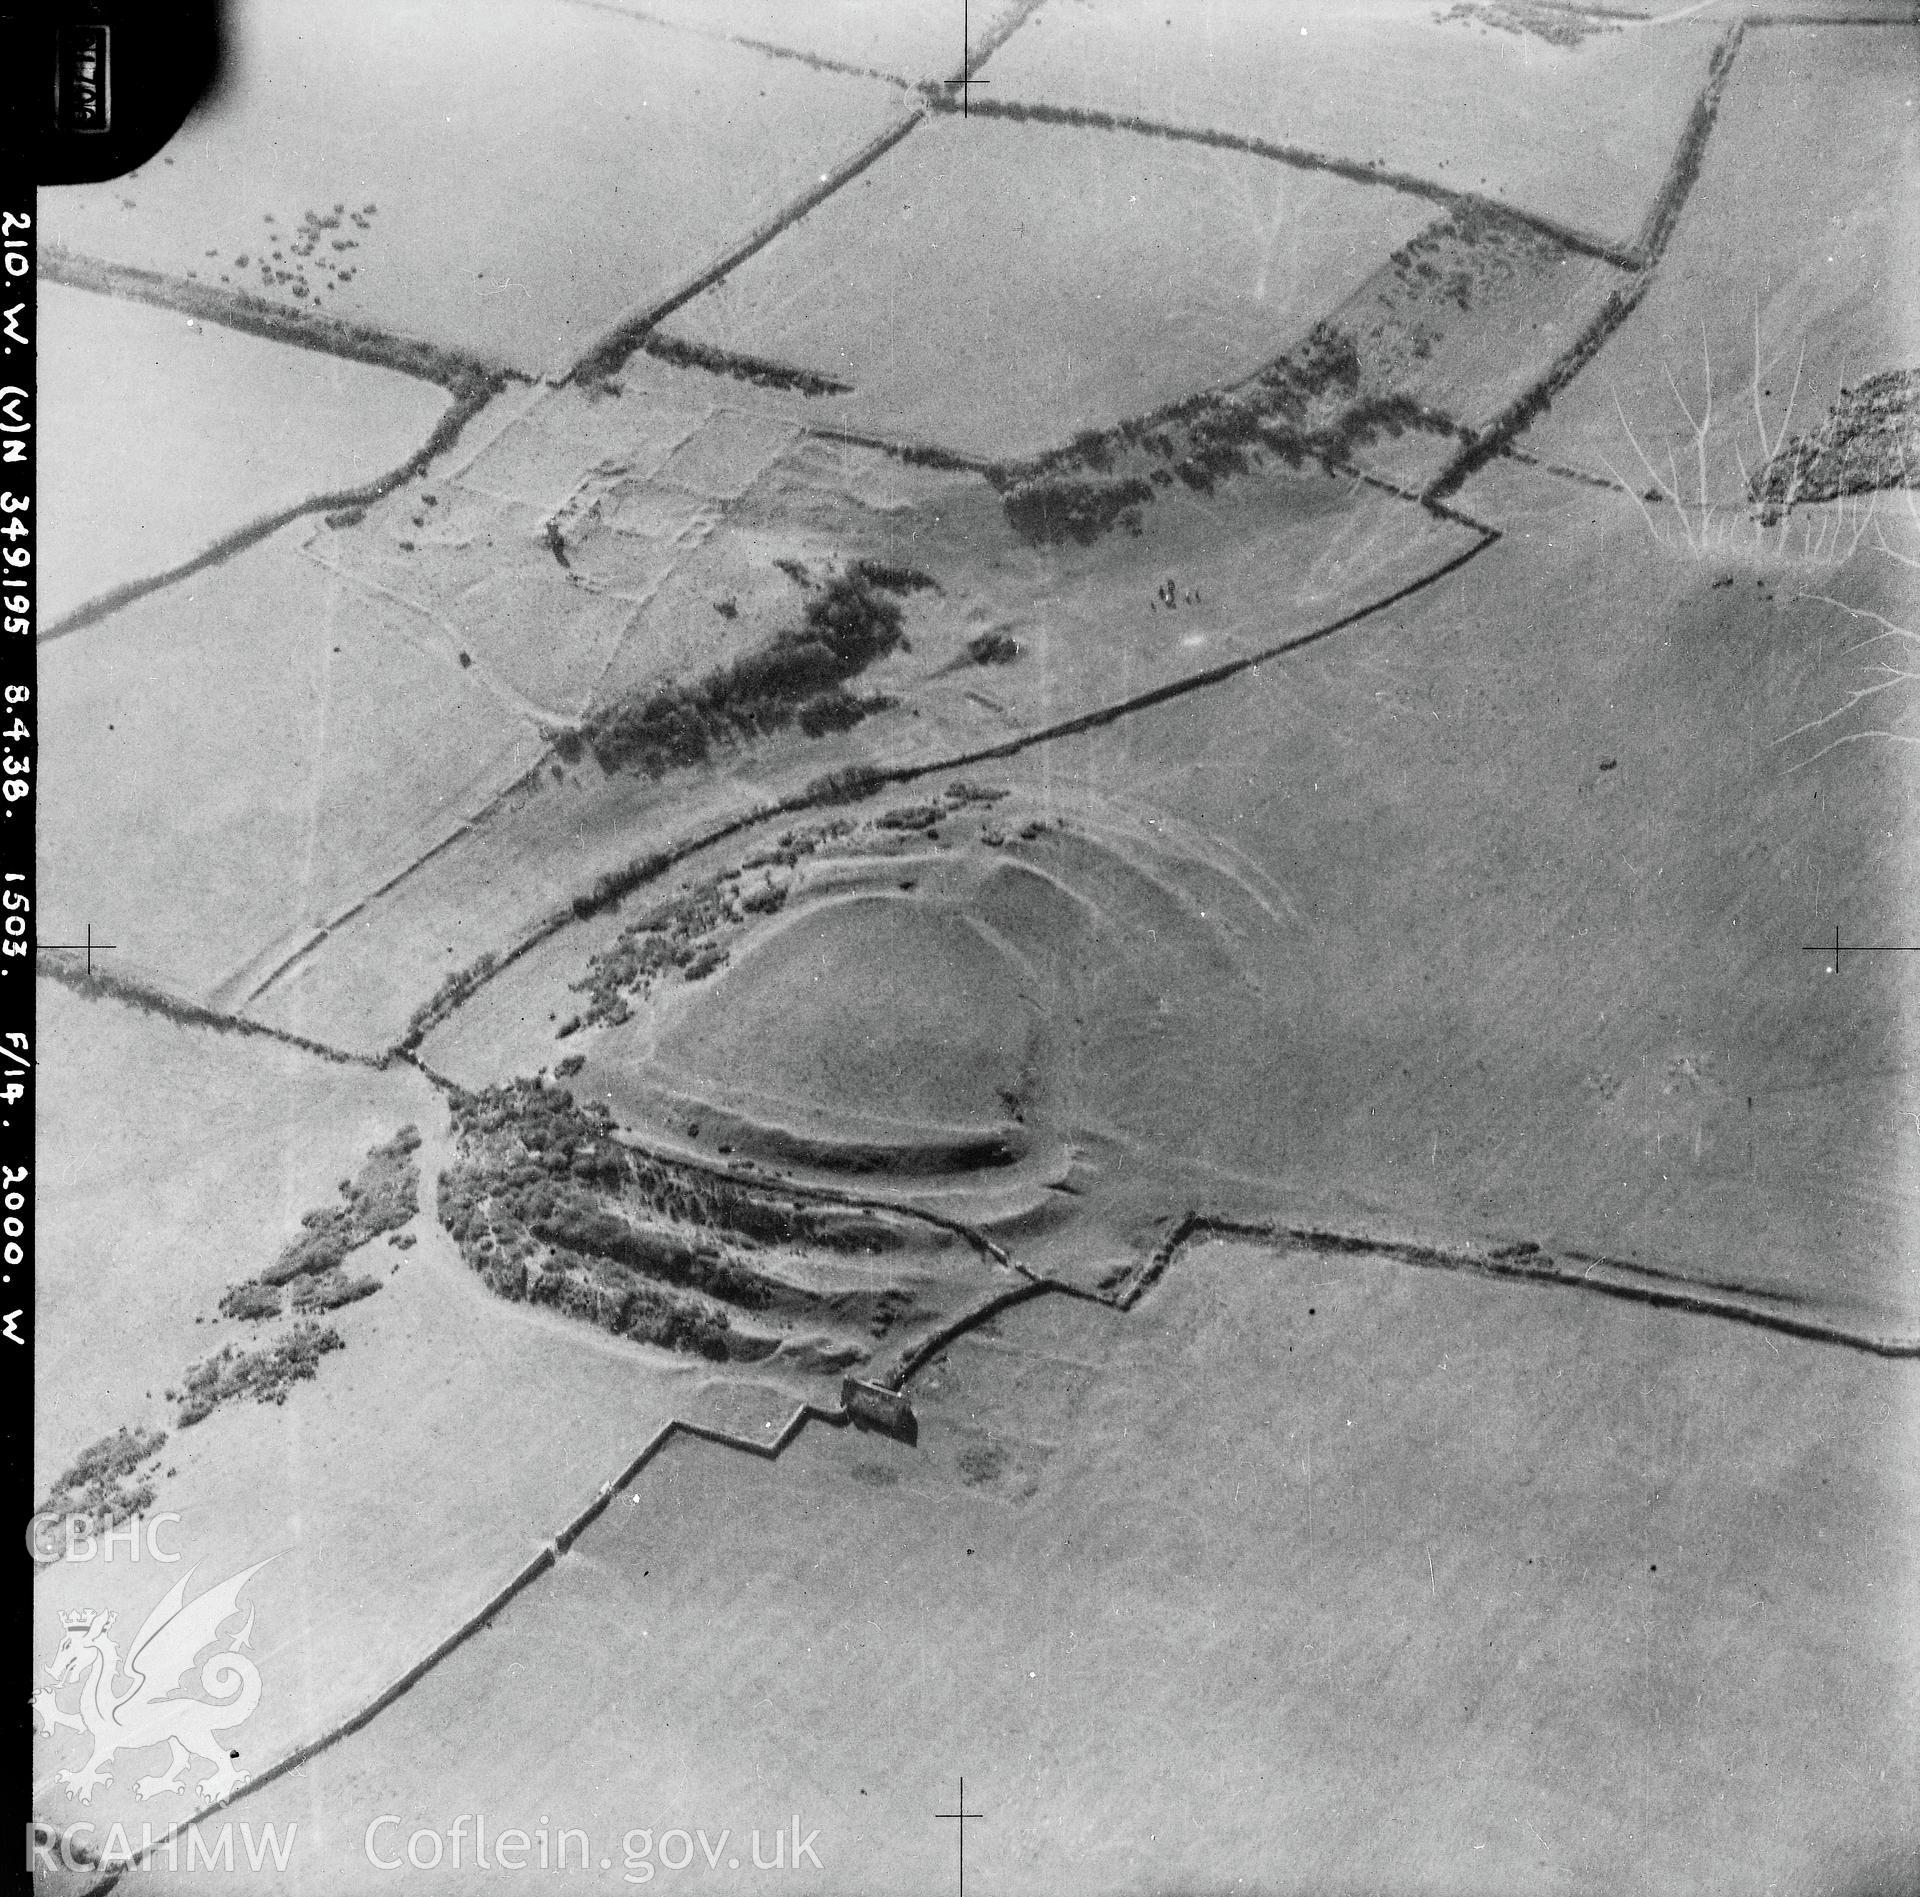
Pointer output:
x,y
1518,1264
1514,1264
65,968
472,383
1683,172
607,356
1301,158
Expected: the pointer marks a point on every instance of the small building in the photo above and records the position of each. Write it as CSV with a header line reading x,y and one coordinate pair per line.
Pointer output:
x,y
874,1406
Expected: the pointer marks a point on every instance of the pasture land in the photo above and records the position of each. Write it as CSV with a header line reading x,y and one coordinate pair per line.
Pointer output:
x,y
1380,1559
421,1467
1017,951
1773,285
1634,1056
173,1162
1454,326
998,288
241,426
1274,556
1392,84
479,577
676,145
908,39
937,1033
231,762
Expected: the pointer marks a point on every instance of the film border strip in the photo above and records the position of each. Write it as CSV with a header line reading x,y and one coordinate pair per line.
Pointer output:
x,y
19,776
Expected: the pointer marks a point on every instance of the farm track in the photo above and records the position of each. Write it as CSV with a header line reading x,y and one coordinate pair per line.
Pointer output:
x,y
474,381
828,791
1643,1285
339,920
1630,1284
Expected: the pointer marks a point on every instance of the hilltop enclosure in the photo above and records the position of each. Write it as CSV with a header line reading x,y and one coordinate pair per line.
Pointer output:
x,y
998,929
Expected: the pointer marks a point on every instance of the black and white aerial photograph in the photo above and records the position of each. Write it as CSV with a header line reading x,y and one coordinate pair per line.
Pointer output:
x,y
974,948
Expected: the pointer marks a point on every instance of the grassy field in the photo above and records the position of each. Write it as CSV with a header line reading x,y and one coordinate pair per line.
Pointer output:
x,y
244,427
903,1000
937,1034
1773,288
152,1214
1271,557
997,288
1560,862
1351,1572
675,145
230,762
1191,822
478,577
393,1492
1392,83
911,39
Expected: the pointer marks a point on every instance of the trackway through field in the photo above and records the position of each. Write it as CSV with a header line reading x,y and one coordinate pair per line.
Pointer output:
x,y
1592,1275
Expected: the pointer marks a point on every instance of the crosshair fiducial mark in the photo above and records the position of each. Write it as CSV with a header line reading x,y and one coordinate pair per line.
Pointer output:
x,y
90,945
962,1814
966,82
1837,948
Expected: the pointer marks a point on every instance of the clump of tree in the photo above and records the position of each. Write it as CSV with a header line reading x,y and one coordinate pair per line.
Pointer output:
x,y
1317,404
846,785
382,1197
447,997
331,1290
548,1206
840,710
755,369
671,936
848,624
251,1301
1049,511
895,579
265,1375
686,933
1554,24
109,1481
910,817
614,884
644,1312
1869,440
536,1233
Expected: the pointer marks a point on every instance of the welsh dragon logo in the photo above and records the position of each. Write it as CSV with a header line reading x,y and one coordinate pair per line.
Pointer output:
x,y
140,1715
